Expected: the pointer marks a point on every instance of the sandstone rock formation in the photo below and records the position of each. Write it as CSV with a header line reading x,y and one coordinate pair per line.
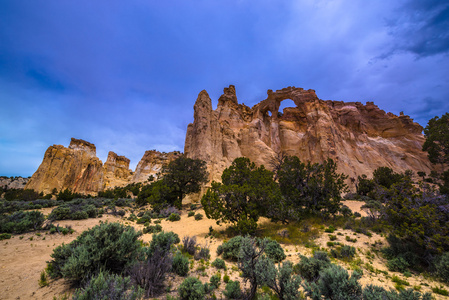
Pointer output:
x,y
151,164
76,167
359,137
116,171
17,182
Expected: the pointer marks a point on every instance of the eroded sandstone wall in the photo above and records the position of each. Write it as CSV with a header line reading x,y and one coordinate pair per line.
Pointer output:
x,y
359,137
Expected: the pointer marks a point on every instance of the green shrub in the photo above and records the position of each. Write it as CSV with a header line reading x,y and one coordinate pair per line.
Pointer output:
x,y
335,283
198,217
191,214
309,268
74,210
43,280
230,249
442,267
226,278
191,289
152,229
373,292
108,246
215,281
21,221
344,252
274,251
440,291
232,290
331,229
174,217
189,244
163,241
5,236
219,264
180,264
203,253
108,286
332,237
397,264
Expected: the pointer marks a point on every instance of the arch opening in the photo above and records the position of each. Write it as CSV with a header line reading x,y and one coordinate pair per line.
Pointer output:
x,y
287,103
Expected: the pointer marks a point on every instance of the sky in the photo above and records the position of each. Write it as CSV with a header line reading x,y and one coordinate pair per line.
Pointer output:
x,y
125,75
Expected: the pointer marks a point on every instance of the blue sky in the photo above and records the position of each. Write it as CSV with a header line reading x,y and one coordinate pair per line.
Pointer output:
x,y
124,75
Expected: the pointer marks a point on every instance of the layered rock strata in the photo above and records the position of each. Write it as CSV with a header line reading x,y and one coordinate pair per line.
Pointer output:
x,y
76,167
359,137
116,171
151,164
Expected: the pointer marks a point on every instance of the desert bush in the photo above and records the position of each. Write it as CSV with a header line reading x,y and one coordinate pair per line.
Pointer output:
x,y
442,267
230,249
43,280
163,241
189,244
21,221
5,236
74,210
397,264
373,292
167,211
232,290
281,280
191,289
274,251
203,253
150,274
219,264
191,214
335,283
174,217
152,229
180,264
108,286
22,194
144,217
215,281
12,206
310,268
344,252
198,217
108,246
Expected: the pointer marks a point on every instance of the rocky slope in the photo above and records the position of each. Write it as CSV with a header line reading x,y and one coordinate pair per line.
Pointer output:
x,y
360,137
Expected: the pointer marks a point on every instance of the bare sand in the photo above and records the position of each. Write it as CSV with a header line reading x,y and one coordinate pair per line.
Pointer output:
x,y
24,257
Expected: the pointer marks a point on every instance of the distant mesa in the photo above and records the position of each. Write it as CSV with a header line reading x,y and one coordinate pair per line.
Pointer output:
x,y
359,137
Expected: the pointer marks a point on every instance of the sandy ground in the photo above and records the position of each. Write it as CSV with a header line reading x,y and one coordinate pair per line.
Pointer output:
x,y
24,257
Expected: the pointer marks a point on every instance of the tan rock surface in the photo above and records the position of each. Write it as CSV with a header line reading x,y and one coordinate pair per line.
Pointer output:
x,y
151,164
76,168
116,171
359,137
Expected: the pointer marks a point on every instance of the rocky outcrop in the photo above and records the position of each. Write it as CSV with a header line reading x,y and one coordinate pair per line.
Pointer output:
x,y
151,164
16,182
116,171
360,137
76,168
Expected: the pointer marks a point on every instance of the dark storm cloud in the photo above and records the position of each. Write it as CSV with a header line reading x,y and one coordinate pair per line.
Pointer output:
x,y
421,27
125,75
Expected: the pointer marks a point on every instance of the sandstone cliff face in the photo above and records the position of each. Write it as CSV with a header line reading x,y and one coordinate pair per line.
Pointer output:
x,y
116,171
151,164
78,169
75,167
360,138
